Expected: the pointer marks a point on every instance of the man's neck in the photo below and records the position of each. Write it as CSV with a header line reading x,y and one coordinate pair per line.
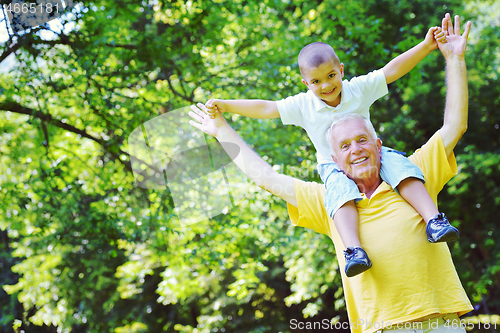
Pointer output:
x,y
368,187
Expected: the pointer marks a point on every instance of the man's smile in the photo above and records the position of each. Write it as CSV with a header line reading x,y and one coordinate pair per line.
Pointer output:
x,y
359,160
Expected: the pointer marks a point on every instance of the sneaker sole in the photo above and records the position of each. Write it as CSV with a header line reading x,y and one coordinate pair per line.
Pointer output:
x,y
355,270
448,237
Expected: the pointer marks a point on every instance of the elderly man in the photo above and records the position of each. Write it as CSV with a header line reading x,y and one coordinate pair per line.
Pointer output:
x,y
426,292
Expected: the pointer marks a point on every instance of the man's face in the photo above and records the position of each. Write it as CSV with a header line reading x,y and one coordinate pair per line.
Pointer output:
x,y
325,81
356,152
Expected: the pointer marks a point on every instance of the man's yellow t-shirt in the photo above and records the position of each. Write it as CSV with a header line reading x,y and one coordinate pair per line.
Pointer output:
x,y
410,278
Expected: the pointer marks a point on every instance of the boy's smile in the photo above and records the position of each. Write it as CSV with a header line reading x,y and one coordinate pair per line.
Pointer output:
x,y
325,81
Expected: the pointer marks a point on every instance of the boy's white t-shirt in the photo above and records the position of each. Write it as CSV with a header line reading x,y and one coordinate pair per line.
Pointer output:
x,y
315,116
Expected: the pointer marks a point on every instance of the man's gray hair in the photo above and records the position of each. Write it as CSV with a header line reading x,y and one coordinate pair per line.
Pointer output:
x,y
368,124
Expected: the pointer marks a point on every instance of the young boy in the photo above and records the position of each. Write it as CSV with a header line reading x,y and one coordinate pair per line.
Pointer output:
x,y
327,99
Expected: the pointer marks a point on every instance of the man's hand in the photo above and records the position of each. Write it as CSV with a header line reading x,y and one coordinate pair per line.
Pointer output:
x,y
455,43
214,106
204,122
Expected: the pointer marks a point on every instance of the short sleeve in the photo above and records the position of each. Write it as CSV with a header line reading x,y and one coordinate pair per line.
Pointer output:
x,y
290,110
371,86
311,212
437,168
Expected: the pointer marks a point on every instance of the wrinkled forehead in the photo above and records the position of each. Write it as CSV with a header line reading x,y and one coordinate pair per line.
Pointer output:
x,y
349,129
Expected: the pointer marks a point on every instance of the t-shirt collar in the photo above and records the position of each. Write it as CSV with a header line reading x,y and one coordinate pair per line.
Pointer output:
x,y
382,188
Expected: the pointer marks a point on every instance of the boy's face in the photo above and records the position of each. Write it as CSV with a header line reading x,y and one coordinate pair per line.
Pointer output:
x,y
325,81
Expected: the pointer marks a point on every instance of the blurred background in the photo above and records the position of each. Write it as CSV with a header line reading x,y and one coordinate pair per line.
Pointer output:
x,y
84,249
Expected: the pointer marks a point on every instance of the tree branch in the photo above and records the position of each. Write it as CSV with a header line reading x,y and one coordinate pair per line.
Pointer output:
x,y
17,108
9,51
123,46
187,98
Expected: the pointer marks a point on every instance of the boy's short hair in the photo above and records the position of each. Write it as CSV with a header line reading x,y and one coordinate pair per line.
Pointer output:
x,y
368,125
315,54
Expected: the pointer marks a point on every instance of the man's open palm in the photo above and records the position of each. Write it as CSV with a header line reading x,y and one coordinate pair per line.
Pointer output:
x,y
455,43
203,122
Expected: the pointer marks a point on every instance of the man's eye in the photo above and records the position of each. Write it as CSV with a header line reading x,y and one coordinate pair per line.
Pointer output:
x,y
363,140
344,147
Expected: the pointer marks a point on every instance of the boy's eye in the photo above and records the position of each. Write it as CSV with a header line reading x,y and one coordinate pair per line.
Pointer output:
x,y
331,76
315,81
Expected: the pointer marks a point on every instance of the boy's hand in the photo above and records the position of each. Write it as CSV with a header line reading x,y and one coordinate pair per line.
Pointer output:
x,y
433,36
213,106
439,36
455,43
204,122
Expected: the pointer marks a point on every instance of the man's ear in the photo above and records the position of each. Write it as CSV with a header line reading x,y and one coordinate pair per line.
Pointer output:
x,y
334,159
379,145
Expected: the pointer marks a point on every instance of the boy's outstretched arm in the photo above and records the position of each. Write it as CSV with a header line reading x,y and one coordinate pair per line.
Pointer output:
x,y
247,160
252,108
405,62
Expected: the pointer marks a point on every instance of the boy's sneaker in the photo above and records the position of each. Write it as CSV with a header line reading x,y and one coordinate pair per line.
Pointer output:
x,y
356,261
440,230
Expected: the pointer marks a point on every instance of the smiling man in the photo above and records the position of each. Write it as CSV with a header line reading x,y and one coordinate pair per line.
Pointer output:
x,y
413,284
357,151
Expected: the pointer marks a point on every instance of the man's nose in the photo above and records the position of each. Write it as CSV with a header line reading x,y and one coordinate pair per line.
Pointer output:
x,y
355,147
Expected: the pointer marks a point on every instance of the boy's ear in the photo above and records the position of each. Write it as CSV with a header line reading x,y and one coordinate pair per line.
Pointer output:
x,y
341,70
305,82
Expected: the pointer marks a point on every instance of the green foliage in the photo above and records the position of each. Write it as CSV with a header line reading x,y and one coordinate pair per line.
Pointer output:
x,y
85,250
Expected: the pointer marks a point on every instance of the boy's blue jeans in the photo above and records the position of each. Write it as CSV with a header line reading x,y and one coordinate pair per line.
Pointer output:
x,y
341,189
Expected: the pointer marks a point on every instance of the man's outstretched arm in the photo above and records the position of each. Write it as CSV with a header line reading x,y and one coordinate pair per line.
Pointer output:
x,y
457,99
247,160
